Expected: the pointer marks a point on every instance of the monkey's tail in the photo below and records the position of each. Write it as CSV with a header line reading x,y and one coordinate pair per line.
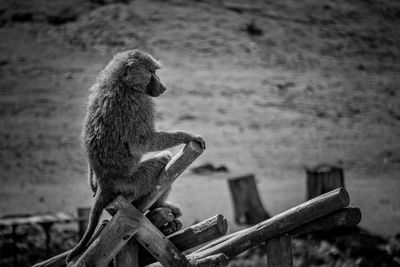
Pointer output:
x,y
100,202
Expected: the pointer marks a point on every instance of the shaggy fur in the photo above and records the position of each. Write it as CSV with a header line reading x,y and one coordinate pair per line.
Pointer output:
x,y
119,129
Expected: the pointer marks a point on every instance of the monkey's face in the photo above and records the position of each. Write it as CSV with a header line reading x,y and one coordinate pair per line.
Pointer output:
x,y
140,73
155,87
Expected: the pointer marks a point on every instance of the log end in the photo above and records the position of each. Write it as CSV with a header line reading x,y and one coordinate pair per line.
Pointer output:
x,y
353,216
344,196
194,147
222,224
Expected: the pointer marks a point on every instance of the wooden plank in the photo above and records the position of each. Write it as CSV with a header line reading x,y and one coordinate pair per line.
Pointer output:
x,y
191,236
111,240
279,224
279,251
128,222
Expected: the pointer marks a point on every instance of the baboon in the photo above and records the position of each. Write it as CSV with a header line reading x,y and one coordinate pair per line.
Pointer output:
x,y
119,129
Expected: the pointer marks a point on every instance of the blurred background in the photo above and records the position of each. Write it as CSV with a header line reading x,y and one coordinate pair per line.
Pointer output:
x,y
273,87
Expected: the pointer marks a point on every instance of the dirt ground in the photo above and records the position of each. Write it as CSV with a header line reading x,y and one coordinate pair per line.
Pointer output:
x,y
272,86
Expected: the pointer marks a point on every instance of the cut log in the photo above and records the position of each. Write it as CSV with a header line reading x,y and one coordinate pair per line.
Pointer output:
x,y
279,224
247,205
323,178
191,237
346,217
279,252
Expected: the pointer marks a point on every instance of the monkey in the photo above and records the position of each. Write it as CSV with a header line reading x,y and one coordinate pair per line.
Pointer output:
x,y
119,129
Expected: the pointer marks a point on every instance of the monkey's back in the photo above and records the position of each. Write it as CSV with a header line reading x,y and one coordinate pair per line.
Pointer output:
x,y
116,120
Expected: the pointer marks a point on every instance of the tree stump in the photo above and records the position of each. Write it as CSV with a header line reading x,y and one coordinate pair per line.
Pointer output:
x,y
248,208
323,178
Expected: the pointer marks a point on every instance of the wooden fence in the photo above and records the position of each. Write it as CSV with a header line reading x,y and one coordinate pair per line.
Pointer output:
x,y
130,239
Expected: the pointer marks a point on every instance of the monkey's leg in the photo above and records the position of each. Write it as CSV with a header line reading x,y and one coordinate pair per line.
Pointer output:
x,y
143,180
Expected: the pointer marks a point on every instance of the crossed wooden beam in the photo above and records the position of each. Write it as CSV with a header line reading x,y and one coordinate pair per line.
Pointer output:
x,y
118,239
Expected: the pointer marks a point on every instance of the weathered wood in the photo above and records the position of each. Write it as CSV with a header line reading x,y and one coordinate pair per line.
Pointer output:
x,y
191,236
279,251
247,205
346,217
128,255
83,219
174,168
323,178
158,245
111,240
279,224
128,221
60,259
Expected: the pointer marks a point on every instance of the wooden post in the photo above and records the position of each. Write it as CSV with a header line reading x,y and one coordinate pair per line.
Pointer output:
x,y
83,219
279,224
279,252
323,178
247,205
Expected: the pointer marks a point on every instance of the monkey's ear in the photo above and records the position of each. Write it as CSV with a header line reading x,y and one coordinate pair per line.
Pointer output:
x,y
155,86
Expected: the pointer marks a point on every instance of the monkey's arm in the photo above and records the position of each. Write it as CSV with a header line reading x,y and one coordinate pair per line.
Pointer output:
x,y
163,140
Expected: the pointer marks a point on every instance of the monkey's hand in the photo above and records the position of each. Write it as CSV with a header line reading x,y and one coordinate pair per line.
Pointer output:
x,y
164,219
198,139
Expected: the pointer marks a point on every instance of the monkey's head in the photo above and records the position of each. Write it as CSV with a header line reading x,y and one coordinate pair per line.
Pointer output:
x,y
136,70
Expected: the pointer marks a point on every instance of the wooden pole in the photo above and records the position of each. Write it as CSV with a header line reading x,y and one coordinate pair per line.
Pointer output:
x,y
279,224
279,251
191,237
323,178
247,205
345,217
